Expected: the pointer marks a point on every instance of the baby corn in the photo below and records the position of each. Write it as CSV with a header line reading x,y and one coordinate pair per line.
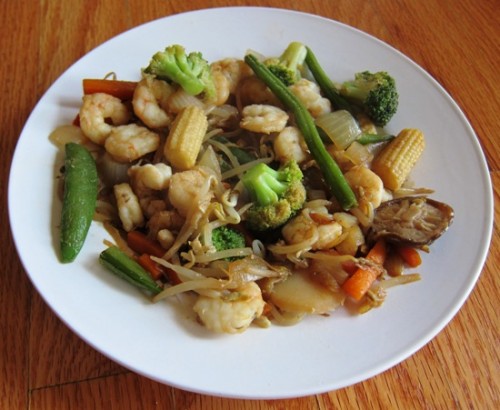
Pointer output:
x,y
397,159
185,138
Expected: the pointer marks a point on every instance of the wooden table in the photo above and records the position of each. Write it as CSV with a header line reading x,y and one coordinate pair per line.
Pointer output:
x,y
43,365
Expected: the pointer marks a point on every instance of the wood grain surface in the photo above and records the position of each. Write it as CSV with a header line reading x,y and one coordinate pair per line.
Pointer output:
x,y
43,365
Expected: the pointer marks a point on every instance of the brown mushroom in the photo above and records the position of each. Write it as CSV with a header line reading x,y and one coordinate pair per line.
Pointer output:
x,y
416,221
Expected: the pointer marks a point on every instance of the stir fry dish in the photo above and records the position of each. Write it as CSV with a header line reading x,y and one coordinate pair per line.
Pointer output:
x,y
258,185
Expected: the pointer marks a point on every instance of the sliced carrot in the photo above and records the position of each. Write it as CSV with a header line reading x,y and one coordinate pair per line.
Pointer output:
x,y
141,243
123,90
361,280
158,271
410,255
349,266
378,253
154,269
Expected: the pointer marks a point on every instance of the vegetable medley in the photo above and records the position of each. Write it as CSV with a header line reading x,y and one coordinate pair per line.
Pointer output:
x,y
258,184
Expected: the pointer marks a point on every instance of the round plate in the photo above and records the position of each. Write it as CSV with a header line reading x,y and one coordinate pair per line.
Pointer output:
x,y
162,341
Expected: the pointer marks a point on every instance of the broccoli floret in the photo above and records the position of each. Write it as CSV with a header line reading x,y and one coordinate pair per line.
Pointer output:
x,y
190,71
224,238
374,93
287,67
277,195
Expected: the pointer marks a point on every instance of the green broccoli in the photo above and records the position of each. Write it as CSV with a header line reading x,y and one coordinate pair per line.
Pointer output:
x,y
190,71
224,238
374,93
277,194
287,66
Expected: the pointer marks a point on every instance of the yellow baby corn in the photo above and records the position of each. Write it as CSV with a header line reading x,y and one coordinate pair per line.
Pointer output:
x,y
397,159
185,138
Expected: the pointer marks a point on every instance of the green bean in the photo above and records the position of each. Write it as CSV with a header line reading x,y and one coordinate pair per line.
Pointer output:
x,y
329,168
366,139
79,199
128,269
325,83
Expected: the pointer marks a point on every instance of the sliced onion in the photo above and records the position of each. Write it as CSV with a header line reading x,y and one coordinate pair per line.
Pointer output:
x,y
209,159
358,154
340,126
111,171
67,133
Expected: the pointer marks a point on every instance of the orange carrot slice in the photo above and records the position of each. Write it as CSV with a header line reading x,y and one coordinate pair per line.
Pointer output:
x,y
358,284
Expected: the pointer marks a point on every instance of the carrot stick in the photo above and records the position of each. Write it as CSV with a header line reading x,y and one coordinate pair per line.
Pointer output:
x,y
410,255
123,90
359,283
140,243
154,269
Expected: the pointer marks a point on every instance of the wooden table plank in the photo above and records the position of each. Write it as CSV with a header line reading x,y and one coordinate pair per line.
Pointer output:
x,y
448,34
43,365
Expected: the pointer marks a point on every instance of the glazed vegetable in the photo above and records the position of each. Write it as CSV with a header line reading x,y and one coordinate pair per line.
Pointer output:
x,y
79,200
329,168
154,269
128,269
287,66
374,93
395,162
394,264
358,284
410,255
185,137
277,194
141,243
190,71
124,90
300,293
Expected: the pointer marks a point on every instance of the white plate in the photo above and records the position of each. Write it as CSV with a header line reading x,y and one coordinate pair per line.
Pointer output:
x,y
321,353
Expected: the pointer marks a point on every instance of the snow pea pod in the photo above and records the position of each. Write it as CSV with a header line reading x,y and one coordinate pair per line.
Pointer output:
x,y
79,200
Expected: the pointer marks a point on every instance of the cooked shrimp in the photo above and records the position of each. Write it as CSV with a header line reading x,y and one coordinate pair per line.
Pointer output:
x,y
129,210
324,231
290,145
233,69
308,93
254,91
127,143
95,112
367,186
153,176
233,311
164,219
222,91
150,203
263,118
150,102
184,189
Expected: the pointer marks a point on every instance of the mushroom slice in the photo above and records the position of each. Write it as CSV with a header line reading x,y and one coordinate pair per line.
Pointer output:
x,y
416,221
